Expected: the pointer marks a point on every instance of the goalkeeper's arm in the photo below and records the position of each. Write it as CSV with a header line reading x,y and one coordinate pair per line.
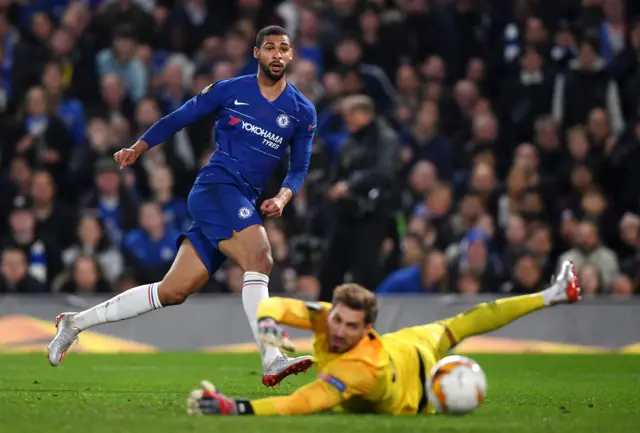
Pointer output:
x,y
315,397
273,312
291,312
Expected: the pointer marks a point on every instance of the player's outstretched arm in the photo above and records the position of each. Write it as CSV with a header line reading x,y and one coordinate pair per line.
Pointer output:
x,y
315,397
206,102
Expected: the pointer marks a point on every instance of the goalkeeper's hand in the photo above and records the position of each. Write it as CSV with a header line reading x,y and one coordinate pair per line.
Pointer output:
x,y
208,401
272,333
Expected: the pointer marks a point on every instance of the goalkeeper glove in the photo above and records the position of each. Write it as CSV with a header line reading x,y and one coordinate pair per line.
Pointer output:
x,y
271,332
208,401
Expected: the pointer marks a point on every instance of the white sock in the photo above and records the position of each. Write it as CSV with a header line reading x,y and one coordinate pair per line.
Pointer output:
x,y
126,305
255,288
552,294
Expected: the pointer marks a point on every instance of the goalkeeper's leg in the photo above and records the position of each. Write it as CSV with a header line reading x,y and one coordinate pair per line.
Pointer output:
x,y
488,317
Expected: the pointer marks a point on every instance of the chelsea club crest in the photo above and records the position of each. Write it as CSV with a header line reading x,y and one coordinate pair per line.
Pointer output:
x,y
244,212
283,120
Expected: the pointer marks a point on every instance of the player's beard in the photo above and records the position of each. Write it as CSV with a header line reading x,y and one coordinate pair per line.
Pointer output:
x,y
271,75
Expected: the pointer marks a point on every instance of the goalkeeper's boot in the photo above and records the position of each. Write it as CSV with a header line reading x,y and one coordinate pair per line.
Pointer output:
x,y
64,338
283,366
566,287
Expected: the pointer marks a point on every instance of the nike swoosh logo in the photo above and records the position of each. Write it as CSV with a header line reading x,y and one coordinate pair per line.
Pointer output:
x,y
239,103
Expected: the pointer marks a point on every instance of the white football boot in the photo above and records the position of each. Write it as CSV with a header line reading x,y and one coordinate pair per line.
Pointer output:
x,y
566,288
283,366
64,338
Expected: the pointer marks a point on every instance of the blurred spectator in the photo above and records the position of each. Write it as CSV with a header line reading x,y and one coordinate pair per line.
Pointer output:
x,y
527,276
428,276
43,254
540,246
68,109
116,207
425,143
115,101
571,104
30,54
475,259
40,136
121,60
412,249
528,95
53,218
622,286
150,250
14,276
374,81
361,190
91,241
85,278
121,12
174,209
515,245
589,251
308,287
590,281
628,236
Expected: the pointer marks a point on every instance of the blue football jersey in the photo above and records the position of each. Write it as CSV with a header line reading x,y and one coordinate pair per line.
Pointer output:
x,y
251,133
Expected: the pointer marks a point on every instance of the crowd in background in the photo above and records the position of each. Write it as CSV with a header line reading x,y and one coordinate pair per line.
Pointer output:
x,y
463,146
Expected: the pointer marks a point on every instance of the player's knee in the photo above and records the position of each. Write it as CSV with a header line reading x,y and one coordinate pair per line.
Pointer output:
x,y
174,294
262,262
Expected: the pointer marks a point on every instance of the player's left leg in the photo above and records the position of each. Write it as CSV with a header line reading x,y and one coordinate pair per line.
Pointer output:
x,y
488,317
251,250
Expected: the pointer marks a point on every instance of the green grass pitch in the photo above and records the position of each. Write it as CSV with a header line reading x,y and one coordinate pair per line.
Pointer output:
x,y
147,393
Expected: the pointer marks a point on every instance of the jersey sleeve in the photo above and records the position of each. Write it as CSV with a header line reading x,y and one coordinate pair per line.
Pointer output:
x,y
340,382
292,312
301,147
205,102
317,396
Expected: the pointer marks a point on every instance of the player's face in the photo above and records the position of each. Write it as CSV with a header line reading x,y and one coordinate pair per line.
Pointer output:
x,y
346,328
274,56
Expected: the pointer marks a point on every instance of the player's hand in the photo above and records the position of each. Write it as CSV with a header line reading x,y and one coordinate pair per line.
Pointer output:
x,y
270,332
272,207
126,157
206,400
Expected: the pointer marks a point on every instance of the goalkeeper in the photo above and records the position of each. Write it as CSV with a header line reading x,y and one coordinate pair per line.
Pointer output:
x,y
359,370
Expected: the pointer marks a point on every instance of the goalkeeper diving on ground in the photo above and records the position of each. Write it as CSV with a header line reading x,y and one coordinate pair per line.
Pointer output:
x,y
360,371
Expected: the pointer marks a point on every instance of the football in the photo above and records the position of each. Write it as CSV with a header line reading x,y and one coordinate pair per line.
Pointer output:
x,y
456,385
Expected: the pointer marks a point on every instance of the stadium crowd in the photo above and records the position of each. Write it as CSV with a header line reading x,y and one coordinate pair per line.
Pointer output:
x,y
463,146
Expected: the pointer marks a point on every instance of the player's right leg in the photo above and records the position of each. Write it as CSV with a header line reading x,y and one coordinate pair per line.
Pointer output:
x,y
491,316
187,275
250,249
439,337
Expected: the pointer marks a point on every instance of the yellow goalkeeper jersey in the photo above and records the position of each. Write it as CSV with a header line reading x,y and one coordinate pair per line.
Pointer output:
x,y
381,374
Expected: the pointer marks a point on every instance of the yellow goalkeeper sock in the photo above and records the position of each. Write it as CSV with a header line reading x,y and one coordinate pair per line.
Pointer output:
x,y
487,317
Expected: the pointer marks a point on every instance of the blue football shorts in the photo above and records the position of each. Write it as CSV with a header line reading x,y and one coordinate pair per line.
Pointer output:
x,y
217,210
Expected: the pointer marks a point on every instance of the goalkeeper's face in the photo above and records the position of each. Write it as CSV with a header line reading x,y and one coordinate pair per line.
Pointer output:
x,y
346,328
274,56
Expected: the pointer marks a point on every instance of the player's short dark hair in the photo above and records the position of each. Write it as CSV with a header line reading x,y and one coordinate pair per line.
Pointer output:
x,y
357,298
270,31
